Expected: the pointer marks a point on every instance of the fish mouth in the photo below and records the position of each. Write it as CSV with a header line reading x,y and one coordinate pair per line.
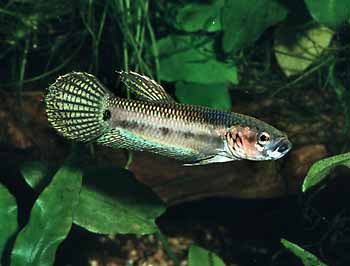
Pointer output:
x,y
279,149
283,146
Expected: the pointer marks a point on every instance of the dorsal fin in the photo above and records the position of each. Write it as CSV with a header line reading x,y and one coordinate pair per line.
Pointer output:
x,y
144,88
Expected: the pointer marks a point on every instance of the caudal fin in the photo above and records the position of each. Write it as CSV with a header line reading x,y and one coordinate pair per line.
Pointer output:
x,y
77,106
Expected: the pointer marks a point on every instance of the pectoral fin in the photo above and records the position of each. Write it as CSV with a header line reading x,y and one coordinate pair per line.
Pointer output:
x,y
214,159
144,88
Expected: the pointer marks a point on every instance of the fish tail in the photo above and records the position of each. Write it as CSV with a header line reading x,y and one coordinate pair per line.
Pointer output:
x,y
77,106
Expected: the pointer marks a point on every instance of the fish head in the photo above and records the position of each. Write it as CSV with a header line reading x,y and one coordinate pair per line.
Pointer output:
x,y
257,143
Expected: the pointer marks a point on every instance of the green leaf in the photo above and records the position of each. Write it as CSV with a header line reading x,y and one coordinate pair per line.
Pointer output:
x,y
36,174
200,17
112,201
244,21
322,168
185,59
297,48
200,257
8,222
214,95
50,219
306,257
332,13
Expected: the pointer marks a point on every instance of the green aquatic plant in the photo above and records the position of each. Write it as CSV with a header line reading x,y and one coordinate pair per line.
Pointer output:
x,y
98,199
8,213
23,25
321,169
198,256
306,257
37,242
108,201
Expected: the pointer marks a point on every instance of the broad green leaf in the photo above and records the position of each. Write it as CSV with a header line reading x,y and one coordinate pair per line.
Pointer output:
x,y
200,257
214,95
322,168
200,17
112,201
244,21
297,48
8,222
185,59
50,219
306,257
332,13
36,174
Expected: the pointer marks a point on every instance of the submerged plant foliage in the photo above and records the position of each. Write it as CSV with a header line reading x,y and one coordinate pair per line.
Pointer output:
x,y
202,48
51,218
198,256
106,193
322,168
8,213
306,257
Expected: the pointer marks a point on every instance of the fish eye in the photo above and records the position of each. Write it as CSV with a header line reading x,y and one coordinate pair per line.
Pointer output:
x,y
264,138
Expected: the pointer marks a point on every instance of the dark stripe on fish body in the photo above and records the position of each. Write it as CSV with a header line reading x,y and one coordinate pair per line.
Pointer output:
x,y
128,124
164,131
172,125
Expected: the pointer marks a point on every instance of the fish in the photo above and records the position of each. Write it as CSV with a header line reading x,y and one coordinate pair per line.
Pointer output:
x,y
81,109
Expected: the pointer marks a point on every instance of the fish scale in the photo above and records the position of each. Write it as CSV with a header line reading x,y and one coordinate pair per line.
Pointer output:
x,y
166,128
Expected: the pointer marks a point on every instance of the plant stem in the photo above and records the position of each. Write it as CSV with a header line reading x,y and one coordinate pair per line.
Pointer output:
x,y
301,77
163,239
22,71
50,72
153,43
125,11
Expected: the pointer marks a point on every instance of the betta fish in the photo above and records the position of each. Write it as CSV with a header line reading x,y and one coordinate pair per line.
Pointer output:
x,y
80,108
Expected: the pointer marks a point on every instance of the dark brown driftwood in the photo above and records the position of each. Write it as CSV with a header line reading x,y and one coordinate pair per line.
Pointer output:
x,y
242,179
25,128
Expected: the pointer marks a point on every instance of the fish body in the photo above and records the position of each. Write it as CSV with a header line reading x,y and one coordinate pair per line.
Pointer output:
x,y
80,108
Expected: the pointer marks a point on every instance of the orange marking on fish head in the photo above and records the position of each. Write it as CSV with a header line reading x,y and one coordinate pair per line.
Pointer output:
x,y
249,142
242,142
